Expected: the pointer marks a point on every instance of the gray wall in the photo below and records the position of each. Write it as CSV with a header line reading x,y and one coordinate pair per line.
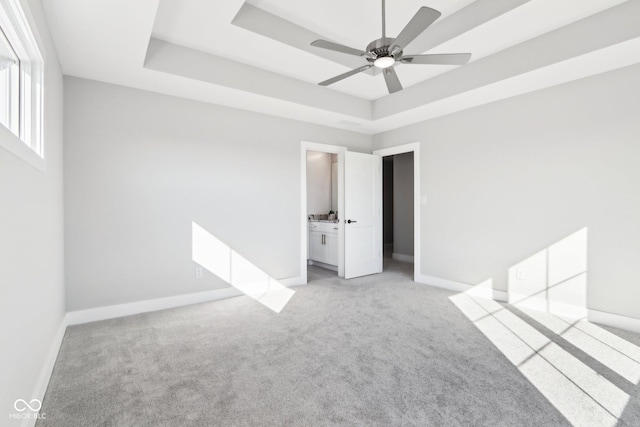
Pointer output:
x,y
140,167
403,204
508,179
31,247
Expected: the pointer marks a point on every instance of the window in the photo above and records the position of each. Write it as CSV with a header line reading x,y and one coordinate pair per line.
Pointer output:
x,y
9,85
21,76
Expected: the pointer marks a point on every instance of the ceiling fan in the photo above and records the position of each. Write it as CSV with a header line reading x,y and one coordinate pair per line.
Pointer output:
x,y
386,52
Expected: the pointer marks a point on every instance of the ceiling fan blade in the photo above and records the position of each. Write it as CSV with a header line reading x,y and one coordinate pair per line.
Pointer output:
x,y
345,75
391,78
437,59
421,20
338,47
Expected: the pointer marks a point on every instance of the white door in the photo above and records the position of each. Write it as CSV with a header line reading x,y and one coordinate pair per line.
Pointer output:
x,y
363,214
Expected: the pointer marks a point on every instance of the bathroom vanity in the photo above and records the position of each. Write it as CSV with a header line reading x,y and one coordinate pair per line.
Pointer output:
x,y
323,243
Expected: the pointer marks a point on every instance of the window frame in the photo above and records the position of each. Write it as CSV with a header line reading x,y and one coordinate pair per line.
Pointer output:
x,y
20,32
13,116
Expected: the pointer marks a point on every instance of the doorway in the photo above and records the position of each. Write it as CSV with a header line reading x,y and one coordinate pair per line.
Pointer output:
x,y
323,241
374,189
401,207
397,212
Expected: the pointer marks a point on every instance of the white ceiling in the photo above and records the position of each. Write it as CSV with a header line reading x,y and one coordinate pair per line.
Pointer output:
x,y
255,55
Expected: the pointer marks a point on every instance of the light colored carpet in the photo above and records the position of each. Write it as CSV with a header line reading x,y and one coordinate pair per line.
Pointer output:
x,y
378,350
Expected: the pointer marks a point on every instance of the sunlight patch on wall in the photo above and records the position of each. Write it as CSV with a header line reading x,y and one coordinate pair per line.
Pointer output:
x,y
551,288
553,280
222,261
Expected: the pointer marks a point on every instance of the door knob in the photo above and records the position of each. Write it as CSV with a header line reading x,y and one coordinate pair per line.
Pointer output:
x,y
348,221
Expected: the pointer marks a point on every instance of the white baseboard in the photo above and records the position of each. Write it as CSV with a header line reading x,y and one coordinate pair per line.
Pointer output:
x,y
443,283
121,310
47,369
617,321
293,281
402,257
501,296
138,307
461,287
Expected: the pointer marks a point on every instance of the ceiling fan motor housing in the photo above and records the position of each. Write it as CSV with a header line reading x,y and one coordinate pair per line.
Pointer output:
x,y
380,49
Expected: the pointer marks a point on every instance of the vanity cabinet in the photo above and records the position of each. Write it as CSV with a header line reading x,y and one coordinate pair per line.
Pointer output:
x,y
316,246
323,242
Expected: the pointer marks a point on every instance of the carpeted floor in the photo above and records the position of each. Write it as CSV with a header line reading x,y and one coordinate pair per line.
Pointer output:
x,y
378,350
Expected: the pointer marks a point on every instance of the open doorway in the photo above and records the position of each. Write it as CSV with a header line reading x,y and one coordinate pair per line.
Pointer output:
x,y
322,201
397,211
322,213
360,180
401,203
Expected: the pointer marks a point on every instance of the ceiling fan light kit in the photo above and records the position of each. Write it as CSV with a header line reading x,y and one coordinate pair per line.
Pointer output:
x,y
384,62
385,52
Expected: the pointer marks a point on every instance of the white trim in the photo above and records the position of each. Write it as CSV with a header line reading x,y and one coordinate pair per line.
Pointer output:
x,y
407,148
442,283
402,257
304,223
147,306
47,369
452,285
21,32
398,149
18,148
616,320
121,310
502,296
293,281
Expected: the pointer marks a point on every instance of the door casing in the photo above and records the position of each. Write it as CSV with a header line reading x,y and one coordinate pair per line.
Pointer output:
x,y
304,223
418,200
